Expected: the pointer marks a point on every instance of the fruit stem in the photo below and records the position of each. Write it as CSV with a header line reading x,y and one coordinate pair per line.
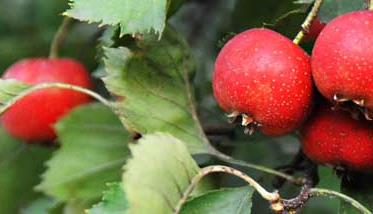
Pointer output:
x,y
330,193
93,94
307,22
229,159
272,197
59,37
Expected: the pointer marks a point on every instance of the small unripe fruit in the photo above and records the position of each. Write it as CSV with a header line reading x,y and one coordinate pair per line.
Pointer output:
x,y
334,138
32,118
342,60
265,77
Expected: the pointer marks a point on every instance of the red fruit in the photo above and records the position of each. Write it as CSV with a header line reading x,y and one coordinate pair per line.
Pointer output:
x,y
315,29
32,118
342,59
262,74
334,138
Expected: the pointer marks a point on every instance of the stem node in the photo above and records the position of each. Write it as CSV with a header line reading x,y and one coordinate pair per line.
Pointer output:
x,y
307,22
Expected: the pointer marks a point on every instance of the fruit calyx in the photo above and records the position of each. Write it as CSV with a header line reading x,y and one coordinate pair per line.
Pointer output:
x,y
247,121
354,106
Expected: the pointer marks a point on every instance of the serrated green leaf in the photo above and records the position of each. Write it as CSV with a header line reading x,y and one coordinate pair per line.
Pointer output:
x,y
157,175
133,16
10,88
233,200
20,166
332,8
92,153
152,80
114,201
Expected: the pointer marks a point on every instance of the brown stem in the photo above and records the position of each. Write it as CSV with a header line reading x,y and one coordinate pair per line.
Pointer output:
x,y
272,197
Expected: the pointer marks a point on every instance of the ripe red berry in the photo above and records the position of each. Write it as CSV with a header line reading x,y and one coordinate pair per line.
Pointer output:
x,y
32,118
315,29
334,138
342,60
264,76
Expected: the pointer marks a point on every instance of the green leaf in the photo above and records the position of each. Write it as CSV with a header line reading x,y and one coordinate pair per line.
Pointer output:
x,y
159,172
153,81
20,167
233,200
133,16
332,8
174,6
360,188
114,201
290,23
10,88
75,207
41,206
92,153
249,14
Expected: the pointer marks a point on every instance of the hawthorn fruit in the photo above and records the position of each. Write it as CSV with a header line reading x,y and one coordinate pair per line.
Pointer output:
x,y
342,60
32,117
266,78
334,138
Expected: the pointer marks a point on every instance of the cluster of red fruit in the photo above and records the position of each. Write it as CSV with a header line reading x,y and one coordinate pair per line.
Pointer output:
x,y
267,81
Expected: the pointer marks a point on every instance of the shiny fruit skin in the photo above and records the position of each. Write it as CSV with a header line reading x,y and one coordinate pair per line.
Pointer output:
x,y
334,138
32,118
342,59
264,75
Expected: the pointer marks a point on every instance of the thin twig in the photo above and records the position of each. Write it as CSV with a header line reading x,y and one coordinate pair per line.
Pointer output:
x,y
330,193
229,159
55,85
272,197
59,37
307,22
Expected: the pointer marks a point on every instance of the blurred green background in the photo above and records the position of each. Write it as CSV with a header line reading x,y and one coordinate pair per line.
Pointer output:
x,y
27,28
